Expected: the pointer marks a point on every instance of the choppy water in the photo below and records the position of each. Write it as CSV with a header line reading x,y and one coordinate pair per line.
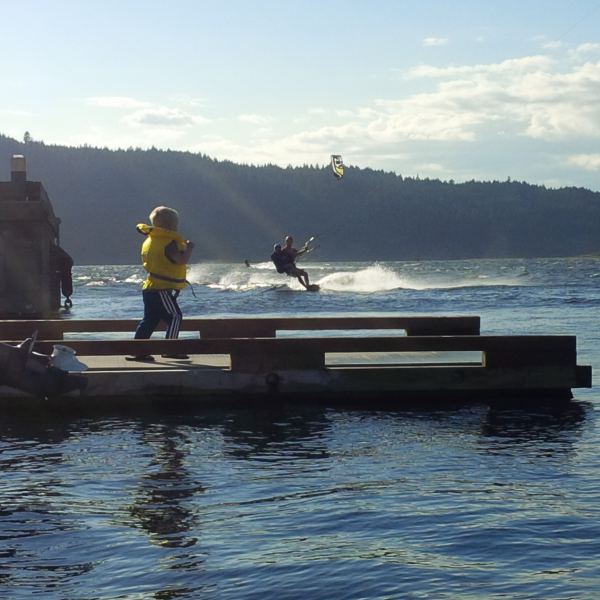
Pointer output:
x,y
302,502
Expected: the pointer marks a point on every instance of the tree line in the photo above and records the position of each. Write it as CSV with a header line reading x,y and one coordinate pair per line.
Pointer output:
x,y
235,211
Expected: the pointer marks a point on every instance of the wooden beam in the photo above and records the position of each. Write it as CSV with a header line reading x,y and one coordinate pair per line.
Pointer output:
x,y
399,386
236,328
249,326
499,351
583,376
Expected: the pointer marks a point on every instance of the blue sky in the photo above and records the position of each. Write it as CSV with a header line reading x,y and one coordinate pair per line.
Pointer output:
x,y
452,90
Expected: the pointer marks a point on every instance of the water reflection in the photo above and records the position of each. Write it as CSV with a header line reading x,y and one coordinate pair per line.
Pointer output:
x,y
244,502
174,593
161,505
556,427
36,428
277,432
33,508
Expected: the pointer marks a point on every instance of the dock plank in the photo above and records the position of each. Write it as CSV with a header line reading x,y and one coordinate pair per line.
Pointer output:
x,y
498,350
250,326
244,357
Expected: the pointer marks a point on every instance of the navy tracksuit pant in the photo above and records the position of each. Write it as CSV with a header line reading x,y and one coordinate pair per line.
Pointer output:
x,y
159,305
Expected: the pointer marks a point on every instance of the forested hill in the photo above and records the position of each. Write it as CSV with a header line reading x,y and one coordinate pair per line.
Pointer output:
x,y
234,211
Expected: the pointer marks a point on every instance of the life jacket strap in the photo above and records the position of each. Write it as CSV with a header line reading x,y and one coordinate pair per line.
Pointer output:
x,y
166,278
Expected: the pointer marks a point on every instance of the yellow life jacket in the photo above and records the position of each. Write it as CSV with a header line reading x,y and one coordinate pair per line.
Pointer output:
x,y
162,273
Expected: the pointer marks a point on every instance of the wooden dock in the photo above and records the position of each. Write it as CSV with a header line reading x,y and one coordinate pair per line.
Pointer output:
x,y
327,359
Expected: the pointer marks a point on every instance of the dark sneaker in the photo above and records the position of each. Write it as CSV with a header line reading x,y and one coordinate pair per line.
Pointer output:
x,y
176,356
141,358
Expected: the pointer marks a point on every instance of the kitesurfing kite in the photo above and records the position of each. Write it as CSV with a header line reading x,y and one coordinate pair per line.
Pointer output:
x,y
337,166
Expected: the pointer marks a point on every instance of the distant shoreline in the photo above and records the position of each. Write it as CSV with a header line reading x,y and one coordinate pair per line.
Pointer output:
x,y
377,260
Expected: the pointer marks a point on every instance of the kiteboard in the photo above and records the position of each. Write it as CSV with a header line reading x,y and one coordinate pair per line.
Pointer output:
x,y
313,287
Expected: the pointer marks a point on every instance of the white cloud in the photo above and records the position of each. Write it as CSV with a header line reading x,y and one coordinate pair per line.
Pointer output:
x,y
253,119
311,146
589,162
552,44
247,153
146,114
161,117
545,42
530,96
15,112
510,66
434,41
585,49
142,137
508,102
188,101
122,102
432,168
422,117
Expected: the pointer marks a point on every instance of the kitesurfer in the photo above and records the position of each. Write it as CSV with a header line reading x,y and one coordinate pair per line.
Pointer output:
x,y
284,260
165,255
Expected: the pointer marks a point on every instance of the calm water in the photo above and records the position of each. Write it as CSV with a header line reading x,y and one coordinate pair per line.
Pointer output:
x,y
301,502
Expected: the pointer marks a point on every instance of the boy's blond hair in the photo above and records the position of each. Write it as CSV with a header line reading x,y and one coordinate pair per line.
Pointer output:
x,y
165,217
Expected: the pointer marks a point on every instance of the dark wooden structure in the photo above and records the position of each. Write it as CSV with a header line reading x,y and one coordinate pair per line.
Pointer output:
x,y
244,358
247,327
29,246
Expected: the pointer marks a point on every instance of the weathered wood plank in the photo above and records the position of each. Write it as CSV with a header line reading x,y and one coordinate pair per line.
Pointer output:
x,y
399,385
249,326
249,361
235,328
499,351
494,343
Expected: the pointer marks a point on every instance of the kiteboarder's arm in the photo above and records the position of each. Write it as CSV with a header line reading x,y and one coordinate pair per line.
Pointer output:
x,y
307,247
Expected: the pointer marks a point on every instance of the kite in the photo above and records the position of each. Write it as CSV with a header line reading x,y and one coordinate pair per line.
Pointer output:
x,y
337,166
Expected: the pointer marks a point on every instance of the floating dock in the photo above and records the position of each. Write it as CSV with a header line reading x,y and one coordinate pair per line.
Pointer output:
x,y
344,359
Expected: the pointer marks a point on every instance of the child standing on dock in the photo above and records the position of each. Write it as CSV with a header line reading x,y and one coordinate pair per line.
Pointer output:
x,y
165,255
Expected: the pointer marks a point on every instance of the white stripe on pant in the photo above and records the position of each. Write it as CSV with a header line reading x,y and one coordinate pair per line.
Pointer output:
x,y
170,307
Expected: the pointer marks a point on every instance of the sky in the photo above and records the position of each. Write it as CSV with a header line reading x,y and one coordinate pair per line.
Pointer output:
x,y
458,90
